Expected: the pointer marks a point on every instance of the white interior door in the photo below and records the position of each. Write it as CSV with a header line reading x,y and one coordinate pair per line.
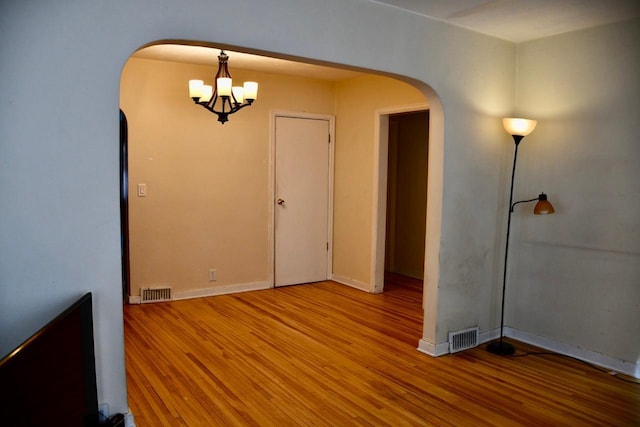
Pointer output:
x,y
302,183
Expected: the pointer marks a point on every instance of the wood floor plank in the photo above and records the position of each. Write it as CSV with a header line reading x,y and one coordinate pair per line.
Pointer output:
x,y
326,355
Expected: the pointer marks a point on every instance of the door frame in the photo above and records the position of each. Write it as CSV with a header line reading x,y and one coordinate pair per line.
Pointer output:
x,y
274,114
124,205
380,175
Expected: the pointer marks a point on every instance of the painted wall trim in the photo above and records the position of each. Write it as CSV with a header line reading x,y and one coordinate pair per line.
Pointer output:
x,y
599,359
222,290
103,409
489,335
443,348
210,292
128,419
433,350
351,283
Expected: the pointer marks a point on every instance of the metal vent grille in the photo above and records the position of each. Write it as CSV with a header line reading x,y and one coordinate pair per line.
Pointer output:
x,y
155,294
463,340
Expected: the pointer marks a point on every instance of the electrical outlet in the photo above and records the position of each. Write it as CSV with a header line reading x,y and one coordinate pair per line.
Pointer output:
x,y
212,275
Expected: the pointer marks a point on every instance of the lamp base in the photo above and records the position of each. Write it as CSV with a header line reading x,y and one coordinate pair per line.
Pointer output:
x,y
501,347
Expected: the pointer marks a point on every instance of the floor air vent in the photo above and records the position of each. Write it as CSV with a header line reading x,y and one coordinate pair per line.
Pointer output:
x,y
462,340
155,294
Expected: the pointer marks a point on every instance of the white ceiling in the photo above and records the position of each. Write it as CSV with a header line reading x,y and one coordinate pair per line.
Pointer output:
x,y
512,20
209,56
522,20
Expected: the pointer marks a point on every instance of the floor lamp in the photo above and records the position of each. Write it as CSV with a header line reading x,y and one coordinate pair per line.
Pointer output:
x,y
518,128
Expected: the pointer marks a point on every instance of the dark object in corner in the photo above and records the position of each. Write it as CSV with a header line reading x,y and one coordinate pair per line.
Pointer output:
x,y
116,420
50,379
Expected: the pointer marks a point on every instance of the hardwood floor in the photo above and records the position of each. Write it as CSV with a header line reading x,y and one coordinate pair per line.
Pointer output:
x,y
327,355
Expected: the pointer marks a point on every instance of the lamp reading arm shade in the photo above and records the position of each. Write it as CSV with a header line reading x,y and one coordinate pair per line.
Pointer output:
x,y
543,207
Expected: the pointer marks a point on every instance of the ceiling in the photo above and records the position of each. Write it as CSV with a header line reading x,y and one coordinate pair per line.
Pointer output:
x,y
522,20
209,56
513,20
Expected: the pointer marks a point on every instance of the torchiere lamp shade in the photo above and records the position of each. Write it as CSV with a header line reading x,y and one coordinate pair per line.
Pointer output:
x,y
517,126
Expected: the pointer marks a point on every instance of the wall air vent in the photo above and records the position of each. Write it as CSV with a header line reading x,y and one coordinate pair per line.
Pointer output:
x,y
155,294
463,340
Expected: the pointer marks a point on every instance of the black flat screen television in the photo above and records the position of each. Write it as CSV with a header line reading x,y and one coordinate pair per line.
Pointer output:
x,y
50,379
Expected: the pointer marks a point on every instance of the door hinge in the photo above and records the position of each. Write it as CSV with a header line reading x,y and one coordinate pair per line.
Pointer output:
x,y
327,246
329,137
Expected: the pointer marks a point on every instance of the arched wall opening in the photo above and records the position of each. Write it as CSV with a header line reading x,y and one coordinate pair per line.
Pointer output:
x,y
372,207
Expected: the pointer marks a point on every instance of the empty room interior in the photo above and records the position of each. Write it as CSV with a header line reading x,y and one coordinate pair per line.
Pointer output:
x,y
422,214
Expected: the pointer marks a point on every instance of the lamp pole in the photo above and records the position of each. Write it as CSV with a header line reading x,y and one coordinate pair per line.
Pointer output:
x,y
518,128
501,347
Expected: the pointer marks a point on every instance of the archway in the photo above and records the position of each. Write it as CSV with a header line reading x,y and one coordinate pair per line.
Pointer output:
x,y
377,205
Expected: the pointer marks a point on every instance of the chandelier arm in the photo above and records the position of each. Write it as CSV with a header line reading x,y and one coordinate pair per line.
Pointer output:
x,y
233,108
239,107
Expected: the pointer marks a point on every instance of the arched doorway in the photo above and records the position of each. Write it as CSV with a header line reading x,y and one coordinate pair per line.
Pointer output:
x,y
372,266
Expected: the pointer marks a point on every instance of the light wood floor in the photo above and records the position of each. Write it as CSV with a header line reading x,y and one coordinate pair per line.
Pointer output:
x,y
327,355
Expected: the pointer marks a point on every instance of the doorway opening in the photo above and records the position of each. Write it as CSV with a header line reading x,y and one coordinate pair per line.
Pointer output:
x,y
405,231
400,189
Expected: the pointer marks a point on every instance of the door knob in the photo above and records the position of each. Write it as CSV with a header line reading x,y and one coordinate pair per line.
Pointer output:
x,y
280,202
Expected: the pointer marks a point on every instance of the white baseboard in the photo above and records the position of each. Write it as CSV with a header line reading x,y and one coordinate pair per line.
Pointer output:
x,y
210,292
128,419
103,408
433,350
351,282
599,359
134,299
221,290
488,335
443,348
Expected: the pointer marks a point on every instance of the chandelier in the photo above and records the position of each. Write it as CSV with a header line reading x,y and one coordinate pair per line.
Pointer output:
x,y
225,99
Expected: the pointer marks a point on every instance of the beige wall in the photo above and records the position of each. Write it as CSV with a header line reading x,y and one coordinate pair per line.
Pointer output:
x,y
209,198
208,202
356,103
